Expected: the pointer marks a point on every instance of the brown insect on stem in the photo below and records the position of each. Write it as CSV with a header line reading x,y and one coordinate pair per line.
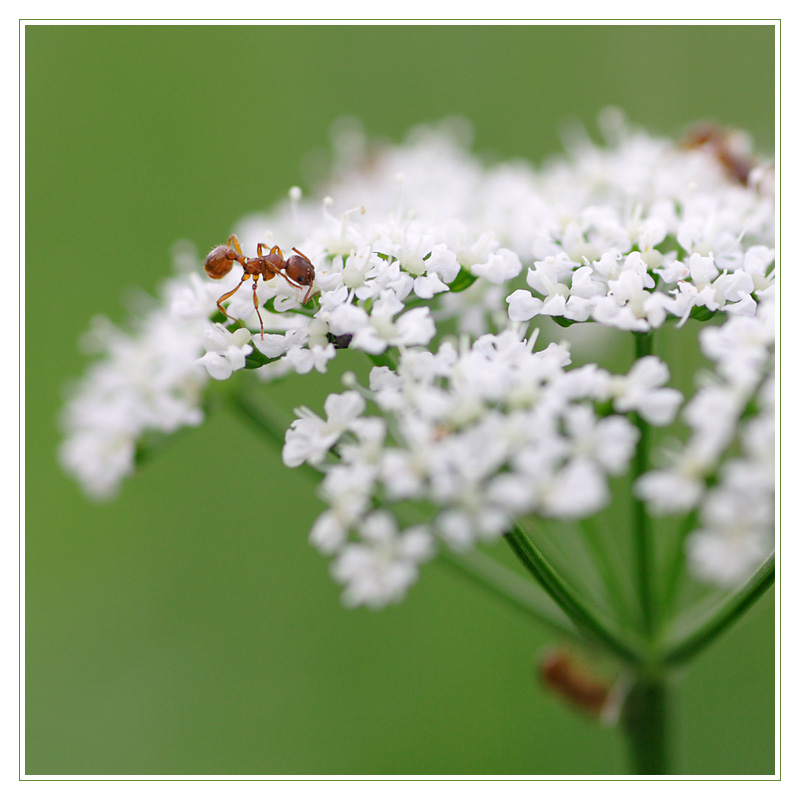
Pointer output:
x,y
573,682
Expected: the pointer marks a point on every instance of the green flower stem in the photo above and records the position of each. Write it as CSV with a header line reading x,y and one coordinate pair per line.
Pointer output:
x,y
642,531
599,544
509,587
573,607
270,422
677,563
722,617
645,721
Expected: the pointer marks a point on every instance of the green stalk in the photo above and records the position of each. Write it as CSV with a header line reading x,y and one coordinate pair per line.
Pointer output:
x,y
269,420
271,423
722,617
583,617
642,532
645,712
677,562
645,721
600,544
510,588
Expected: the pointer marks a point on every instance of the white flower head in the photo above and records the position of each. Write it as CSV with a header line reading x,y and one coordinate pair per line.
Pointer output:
x,y
423,239
380,567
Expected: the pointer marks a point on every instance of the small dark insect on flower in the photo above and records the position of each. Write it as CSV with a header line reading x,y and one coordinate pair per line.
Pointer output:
x,y
297,270
574,683
341,342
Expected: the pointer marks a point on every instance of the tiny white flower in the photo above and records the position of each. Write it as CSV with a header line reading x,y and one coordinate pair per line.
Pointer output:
x,y
328,534
310,438
673,272
522,305
225,351
669,491
577,490
609,442
303,360
702,269
640,390
379,569
725,559
499,267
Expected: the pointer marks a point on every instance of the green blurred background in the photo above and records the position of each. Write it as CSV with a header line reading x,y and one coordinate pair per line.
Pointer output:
x,y
187,628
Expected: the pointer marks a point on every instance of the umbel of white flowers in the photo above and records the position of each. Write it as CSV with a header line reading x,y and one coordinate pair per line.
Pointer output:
x,y
482,435
480,428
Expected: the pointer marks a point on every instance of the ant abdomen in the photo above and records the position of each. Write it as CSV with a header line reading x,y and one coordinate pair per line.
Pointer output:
x,y
219,261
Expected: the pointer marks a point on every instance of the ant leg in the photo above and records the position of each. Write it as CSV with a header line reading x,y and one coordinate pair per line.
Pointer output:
x,y
255,303
229,294
275,249
290,281
232,240
298,286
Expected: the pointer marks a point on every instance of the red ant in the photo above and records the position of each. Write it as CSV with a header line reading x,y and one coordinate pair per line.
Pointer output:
x,y
724,145
297,270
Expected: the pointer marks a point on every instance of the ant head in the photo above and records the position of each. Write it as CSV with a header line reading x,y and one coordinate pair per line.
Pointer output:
x,y
300,270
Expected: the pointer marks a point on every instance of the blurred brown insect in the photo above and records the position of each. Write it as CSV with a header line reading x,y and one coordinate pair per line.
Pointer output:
x,y
573,682
728,147
297,270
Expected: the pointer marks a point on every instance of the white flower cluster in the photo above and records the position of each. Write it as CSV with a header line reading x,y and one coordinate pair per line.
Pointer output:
x,y
626,234
421,235
374,285
473,436
727,467
646,231
148,382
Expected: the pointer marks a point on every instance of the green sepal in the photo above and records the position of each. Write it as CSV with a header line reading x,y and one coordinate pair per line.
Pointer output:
x,y
605,409
308,310
702,314
563,321
463,280
383,360
257,359
228,322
